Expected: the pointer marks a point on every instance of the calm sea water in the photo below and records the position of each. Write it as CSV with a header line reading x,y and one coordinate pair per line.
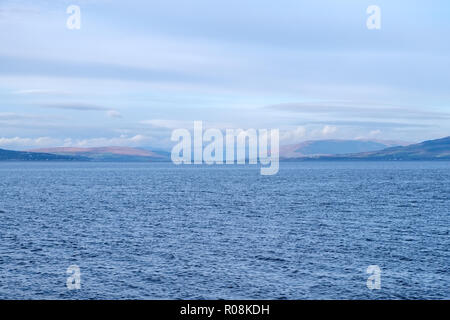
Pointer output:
x,y
156,231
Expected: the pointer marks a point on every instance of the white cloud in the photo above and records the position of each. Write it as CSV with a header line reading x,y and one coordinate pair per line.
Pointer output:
x,y
18,142
21,143
293,136
327,130
123,140
187,124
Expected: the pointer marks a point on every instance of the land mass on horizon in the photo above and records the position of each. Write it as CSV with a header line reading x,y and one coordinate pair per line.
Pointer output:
x,y
438,149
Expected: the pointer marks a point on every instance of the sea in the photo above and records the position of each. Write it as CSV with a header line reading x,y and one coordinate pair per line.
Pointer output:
x,y
315,230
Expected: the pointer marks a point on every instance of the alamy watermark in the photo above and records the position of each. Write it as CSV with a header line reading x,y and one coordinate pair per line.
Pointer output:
x,y
239,146
74,279
374,280
74,20
374,20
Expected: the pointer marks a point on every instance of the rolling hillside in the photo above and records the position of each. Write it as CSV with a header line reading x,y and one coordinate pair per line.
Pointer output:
x,y
9,155
334,147
119,154
438,149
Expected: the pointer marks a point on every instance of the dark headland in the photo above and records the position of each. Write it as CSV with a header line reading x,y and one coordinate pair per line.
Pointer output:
x,y
438,149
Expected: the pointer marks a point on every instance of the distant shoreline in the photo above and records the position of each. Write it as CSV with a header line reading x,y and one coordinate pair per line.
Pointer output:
x,y
208,165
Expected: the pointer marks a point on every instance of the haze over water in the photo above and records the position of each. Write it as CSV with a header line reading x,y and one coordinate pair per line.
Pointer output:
x,y
159,231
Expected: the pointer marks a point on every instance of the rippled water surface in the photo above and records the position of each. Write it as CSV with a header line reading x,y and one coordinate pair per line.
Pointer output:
x,y
157,231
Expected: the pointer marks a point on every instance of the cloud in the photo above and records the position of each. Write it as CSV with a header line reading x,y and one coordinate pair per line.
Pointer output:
x,y
123,140
39,92
111,113
293,136
327,130
114,114
359,109
168,124
27,119
75,106
187,124
16,116
101,71
309,107
375,132
22,143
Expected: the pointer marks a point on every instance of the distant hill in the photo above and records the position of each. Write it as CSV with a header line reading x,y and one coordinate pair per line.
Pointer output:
x,y
119,154
334,147
438,149
9,155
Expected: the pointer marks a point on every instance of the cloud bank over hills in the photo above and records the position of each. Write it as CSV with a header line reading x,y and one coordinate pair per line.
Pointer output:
x,y
438,149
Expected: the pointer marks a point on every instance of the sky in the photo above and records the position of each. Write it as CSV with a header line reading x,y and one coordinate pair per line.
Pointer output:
x,y
136,70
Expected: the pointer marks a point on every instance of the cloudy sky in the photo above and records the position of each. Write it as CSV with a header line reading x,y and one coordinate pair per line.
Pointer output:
x,y
136,70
